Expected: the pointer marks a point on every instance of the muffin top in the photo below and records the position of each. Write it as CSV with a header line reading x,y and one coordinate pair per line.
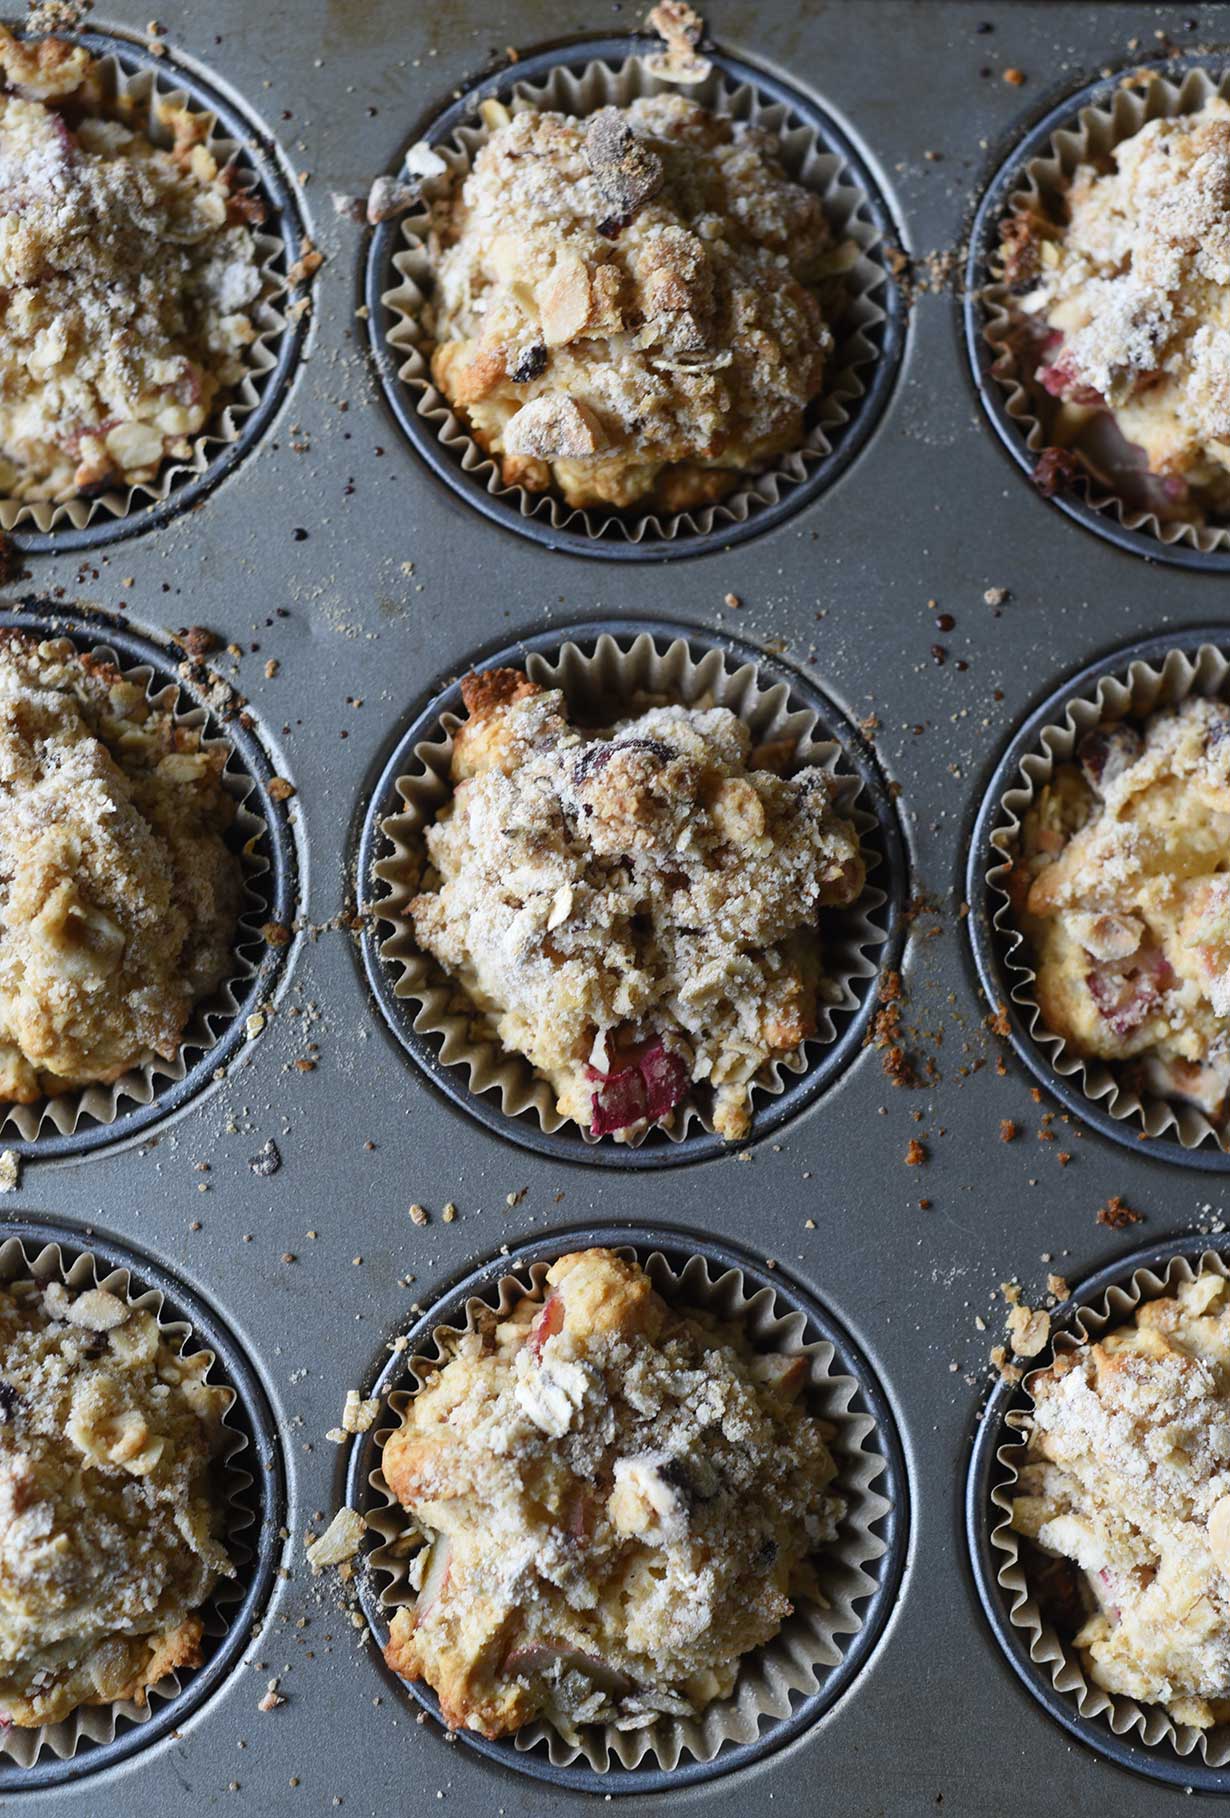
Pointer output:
x,y
616,1501
109,1526
1134,286
626,304
127,274
118,894
1125,885
634,909
1128,1476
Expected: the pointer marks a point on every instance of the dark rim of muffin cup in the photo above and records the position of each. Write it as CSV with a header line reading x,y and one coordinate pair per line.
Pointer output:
x,y
625,536
994,938
270,882
997,1430
888,875
986,297
272,180
890,1485
252,1474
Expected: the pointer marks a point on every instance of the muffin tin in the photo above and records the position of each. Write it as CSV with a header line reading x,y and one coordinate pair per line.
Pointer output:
x,y
279,1196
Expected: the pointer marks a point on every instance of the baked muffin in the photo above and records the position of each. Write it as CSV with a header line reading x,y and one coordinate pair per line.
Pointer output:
x,y
119,897
1124,891
1128,1478
630,308
1125,304
616,1500
127,276
634,910
110,1524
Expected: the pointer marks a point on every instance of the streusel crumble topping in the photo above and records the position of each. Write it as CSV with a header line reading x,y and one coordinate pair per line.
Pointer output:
x,y
118,894
616,1500
628,306
109,1524
635,910
128,272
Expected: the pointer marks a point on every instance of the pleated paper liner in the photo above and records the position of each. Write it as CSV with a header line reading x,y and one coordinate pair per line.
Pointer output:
x,y
1131,686
1110,493
601,683
786,1684
860,370
248,1484
148,83
1114,1722
99,1114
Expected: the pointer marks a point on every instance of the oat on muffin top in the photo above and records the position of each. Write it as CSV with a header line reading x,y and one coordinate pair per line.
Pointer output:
x,y
1128,1476
616,1499
1133,289
1125,889
109,1524
119,897
635,909
128,273
627,306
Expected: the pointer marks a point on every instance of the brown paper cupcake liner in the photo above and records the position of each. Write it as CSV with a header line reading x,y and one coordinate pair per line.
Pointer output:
x,y
1091,136
99,1723
595,684
810,1640
105,1104
1056,1658
1139,691
600,84
148,90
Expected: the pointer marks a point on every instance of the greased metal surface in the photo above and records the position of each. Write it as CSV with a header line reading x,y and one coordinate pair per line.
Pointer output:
x,y
365,583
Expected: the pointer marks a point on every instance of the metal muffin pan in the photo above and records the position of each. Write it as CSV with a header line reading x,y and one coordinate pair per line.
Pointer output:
x,y
390,584
888,874
892,1530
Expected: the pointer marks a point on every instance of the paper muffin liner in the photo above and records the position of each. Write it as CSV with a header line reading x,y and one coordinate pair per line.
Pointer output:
x,y
100,1723
809,1642
140,1085
1138,692
594,686
1090,136
581,92
146,90
1057,1659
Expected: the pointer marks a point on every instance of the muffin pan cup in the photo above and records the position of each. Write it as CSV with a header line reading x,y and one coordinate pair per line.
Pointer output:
x,y
133,71
1086,126
579,79
250,1476
598,667
75,1122
793,1680
1153,673
1140,1737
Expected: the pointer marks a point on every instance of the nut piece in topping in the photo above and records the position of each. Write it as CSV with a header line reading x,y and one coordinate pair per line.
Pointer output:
x,y
628,173
339,1542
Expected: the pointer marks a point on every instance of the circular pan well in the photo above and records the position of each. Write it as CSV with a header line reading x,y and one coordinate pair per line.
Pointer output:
x,y
256,1538
262,157
1074,501
892,1484
998,977
888,876
847,439
1158,1762
277,885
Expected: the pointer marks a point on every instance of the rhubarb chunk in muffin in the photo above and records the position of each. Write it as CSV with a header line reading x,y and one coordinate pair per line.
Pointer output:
x,y
119,896
110,1521
631,307
1125,302
615,1500
1128,1478
634,909
1124,889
